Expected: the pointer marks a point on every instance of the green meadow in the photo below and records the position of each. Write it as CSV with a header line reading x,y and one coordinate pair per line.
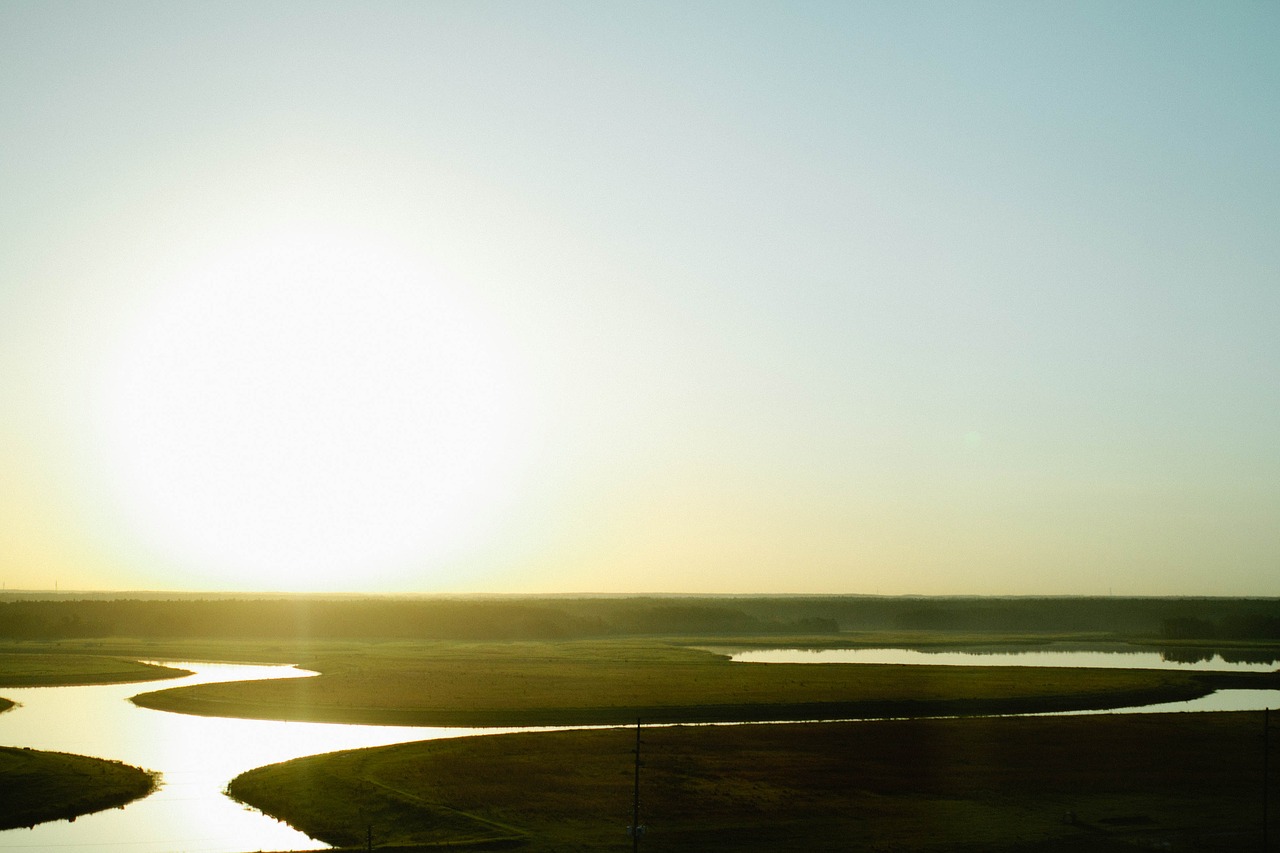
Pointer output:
x,y
613,682
47,669
982,783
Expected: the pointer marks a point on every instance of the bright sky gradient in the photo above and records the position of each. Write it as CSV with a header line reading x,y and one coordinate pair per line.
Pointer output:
x,y
740,297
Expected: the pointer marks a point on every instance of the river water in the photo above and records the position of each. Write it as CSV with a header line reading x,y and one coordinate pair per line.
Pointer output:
x,y
198,756
1120,658
1110,658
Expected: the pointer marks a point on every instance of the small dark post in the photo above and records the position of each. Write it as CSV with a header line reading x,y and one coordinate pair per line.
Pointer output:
x,y
368,836
1266,778
635,800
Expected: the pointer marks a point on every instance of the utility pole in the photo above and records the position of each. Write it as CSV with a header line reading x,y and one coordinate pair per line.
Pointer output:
x,y
1266,779
636,829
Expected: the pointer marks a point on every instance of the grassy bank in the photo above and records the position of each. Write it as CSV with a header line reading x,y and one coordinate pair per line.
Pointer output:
x,y
994,784
43,786
609,682
52,668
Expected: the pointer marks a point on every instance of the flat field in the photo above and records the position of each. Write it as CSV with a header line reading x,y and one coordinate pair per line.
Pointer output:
x,y
1075,783
1177,782
46,669
616,681
1147,781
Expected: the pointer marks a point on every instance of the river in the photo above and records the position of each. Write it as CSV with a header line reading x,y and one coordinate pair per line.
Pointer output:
x,y
1104,658
1113,657
198,756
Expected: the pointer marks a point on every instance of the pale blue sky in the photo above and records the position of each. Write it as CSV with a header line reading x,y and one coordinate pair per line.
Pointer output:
x,y
784,297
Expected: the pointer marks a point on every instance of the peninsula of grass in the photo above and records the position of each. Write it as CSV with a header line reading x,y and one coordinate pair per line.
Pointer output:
x,y
49,669
1073,783
43,786
612,682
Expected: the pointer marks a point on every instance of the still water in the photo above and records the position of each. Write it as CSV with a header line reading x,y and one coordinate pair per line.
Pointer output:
x,y
197,757
1221,700
1120,658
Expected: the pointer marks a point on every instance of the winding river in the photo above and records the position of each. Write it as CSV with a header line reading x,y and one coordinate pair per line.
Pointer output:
x,y
198,756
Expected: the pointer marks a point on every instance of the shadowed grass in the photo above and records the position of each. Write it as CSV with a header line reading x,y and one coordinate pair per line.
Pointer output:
x,y
43,786
587,683
1158,781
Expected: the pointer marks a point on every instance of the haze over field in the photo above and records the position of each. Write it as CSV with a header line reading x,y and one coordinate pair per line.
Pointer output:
x,y
632,297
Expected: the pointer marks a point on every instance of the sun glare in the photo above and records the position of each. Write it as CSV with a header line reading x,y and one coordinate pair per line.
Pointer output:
x,y
312,412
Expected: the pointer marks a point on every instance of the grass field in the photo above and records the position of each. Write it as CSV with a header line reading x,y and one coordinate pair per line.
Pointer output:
x,y
588,683
922,786
42,786
46,669
1129,782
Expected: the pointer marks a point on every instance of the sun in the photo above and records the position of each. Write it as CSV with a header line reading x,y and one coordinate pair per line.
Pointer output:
x,y
313,411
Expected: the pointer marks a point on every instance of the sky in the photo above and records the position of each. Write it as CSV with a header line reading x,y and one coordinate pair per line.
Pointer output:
x,y
631,297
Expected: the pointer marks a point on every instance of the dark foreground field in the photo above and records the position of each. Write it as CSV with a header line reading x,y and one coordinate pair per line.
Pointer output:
x,y
1079,783
40,786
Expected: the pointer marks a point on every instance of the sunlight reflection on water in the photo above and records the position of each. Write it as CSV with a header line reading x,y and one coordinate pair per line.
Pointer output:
x,y
197,756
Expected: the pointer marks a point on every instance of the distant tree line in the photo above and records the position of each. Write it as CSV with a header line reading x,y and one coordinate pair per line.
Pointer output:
x,y
1239,626
548,618
375,618
1235,618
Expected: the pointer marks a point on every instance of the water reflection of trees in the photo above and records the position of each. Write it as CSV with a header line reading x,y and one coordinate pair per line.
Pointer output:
x,y
1199,655
1011,651
1187,655
1248,656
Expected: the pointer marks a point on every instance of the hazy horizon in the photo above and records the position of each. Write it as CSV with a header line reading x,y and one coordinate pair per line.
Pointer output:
x,y
782,298
354,593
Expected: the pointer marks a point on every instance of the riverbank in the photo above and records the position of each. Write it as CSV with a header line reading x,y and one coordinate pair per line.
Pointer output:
x,y
42,786
61,669
612,682
1096,783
